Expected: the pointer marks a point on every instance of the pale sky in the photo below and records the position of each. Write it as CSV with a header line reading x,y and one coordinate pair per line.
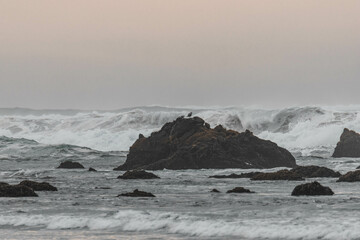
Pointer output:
x,y
108,54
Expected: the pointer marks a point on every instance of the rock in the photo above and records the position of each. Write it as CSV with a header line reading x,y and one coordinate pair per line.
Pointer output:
x,y
349,145
315,172
233,175
190,143
16,191
3,184
239,190
358,167
70,165
138,174
92,170
44,186
136,193
279,175
353,176
311,189
215,190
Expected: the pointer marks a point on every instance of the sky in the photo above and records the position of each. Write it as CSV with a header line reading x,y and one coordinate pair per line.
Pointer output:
x,y
109,54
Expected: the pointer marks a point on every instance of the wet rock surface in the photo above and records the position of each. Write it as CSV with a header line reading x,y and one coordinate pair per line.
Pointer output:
x,y
233,175
279,175
315,172
138,174
239,190
70,165
43,186
311,189
16,191
353,176
349,144
190,143
136,193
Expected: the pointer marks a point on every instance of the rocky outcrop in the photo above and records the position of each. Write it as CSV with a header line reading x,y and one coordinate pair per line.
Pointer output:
x,y
70,165
138,174
233,175
43,186
190,143
353,176
315,172
279,175
239,190
16,191
311,189
349,145
136,193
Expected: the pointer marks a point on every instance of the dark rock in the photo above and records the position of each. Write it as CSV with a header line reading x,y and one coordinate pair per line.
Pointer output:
x,y
315,172
189,114
353,176
136,193
70,165
44,186
233,175
311,189
358,167
279,175
349,145
215,190
16,191
3,184
92,170
239,190
188,143
138,174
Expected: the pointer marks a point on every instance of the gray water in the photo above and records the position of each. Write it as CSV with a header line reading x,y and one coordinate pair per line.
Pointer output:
x,y
87,207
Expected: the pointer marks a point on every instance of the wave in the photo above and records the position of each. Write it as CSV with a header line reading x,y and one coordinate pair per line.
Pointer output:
x,y
196,226
308,130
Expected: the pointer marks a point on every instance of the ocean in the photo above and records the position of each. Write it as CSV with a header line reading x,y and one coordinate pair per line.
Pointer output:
x,y
34,142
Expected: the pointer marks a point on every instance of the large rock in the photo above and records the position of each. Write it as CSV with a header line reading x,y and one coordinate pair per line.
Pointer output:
x,y
43,186
16,191
349,145
353,176
311,189
315,172
137,193
279,175
190,143
138,174
70,165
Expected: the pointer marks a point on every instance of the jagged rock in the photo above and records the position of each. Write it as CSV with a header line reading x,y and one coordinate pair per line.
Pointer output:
x,y
215,190
136,193
70,165
353,176
44,186
315,172
190,143
349,145
239,190
138,174
92,170
279,175
311,189
16,191
233,175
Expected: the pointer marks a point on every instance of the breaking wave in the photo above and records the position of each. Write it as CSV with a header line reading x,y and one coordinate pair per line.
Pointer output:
x,y
307,130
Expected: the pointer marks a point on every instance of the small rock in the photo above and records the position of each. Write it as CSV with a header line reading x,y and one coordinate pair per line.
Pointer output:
x,y
70,165
137,174
233,175
239,190
92,170
137,193
315,172
279,175
44,186
311,189
353,176
16,191
215,190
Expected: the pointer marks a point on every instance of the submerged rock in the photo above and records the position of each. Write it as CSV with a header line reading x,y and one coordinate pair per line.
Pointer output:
x,y
43,186
190,143
315,172
137,174
349,144
16,191
239,190
92,170
233,175
353,176
70,165
137,193
215,190
279,175
311,189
